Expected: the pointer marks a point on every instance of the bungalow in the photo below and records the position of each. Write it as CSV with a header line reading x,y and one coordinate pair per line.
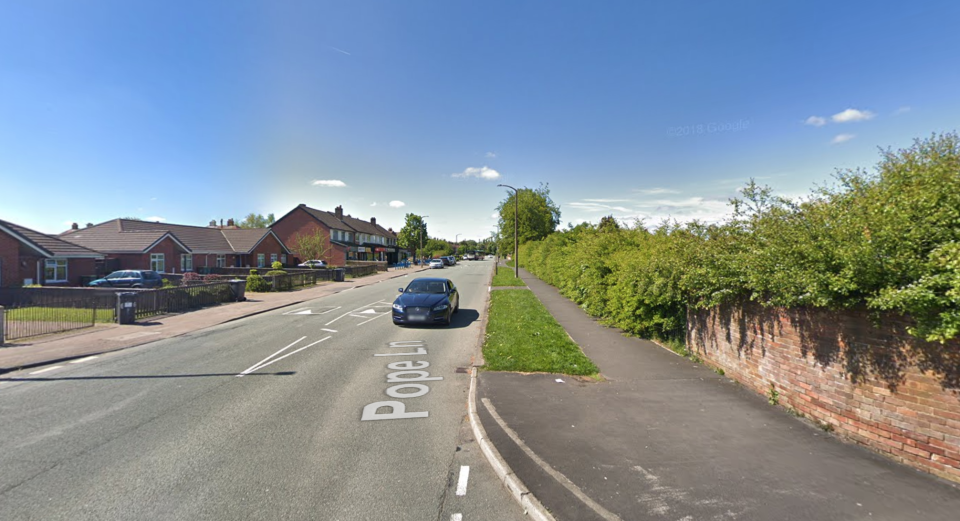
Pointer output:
x,y
347,238
30,257
172,248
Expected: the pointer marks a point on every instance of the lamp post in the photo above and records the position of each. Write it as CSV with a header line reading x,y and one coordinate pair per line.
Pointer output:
x,y
516,239
420,233
456,246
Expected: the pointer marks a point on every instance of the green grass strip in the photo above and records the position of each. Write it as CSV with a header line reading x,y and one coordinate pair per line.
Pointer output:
x,y
38,314
522,336
506,277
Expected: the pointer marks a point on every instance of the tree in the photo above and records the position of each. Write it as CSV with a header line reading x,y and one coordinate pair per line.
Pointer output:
x,y
437,248
538,216
256,220
312,246
414,230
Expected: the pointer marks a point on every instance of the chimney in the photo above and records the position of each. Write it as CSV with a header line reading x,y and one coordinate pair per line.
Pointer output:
x,y
373,221
89,225
213,223
229,223
221,223
74,226
338,211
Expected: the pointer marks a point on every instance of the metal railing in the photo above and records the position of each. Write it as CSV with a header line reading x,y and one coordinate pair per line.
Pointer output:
x,y
180,299
31,312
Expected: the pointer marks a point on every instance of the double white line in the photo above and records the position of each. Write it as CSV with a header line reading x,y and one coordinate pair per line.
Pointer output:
x,y
269,360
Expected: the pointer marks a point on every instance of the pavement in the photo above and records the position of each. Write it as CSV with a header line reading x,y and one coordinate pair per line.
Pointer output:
x,y
661,437
105,338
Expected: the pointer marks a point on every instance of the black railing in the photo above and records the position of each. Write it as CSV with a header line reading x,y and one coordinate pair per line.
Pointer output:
x,y
33,312
180,299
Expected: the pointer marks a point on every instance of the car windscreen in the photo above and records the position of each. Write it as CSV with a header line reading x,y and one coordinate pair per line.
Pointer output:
x,y
426,286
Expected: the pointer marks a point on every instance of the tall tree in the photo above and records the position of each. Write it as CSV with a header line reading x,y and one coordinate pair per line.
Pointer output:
x,y
312,246
436,248
414,229
538,216
256,220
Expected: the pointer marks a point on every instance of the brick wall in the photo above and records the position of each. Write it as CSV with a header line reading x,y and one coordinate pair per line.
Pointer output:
x,y
875,385
300,222
9,261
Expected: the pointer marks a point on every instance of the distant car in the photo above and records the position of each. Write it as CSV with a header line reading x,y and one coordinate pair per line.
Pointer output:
x,y
436,264
313,264
130,279
448,260
426,300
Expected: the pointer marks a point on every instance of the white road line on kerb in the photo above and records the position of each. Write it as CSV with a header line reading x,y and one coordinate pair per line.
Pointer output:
x,y
47,369
462,482
84,359
254,366
248,371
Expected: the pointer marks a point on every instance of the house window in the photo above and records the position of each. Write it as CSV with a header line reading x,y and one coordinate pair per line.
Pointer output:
x,y
348,237
221,261
261,259
273,258
186,262
56,270
157,263
283,259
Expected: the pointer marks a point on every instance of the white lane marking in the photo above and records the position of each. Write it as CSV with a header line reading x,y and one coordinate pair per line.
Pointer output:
x,y
563,480
47,369
328,330
462,482
254,366
374,318
84,359
248,371
356,310
456,517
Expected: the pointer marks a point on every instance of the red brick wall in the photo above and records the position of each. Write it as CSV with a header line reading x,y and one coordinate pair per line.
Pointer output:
x,y
876,385
9,261
300,222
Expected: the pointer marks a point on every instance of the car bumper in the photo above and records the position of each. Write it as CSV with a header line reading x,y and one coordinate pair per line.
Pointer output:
x,y
419,316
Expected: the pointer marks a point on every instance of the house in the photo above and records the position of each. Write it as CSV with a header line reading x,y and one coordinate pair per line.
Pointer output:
x,y
173,248
30,257
347,237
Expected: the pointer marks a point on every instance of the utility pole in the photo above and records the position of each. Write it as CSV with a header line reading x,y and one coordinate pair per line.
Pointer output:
x,y
516,238
456,246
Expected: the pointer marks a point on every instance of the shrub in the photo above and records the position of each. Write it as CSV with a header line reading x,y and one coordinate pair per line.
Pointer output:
x,y
213,277
256,283
190,277
276,265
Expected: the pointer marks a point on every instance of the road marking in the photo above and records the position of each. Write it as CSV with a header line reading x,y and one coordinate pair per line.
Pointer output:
x,y
254,366
563,480
309,311
352,311
456,517
257,367
84,359
328,330
47,369
462,482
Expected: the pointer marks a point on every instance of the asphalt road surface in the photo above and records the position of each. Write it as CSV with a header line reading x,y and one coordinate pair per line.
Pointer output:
x,y
274,416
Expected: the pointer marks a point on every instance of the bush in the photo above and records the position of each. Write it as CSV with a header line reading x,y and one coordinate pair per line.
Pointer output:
x,y
256,283
213,277
190,277
276,265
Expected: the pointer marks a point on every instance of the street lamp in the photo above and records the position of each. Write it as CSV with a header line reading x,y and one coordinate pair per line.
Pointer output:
x,y
456,246
420,232
516,240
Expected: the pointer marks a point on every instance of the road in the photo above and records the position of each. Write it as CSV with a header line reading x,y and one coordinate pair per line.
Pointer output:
x,y
268,417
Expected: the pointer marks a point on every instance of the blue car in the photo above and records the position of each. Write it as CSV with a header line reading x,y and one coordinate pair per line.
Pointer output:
x,y
426,300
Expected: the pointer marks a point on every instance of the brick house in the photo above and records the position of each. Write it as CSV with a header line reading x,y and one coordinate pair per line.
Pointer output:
x,y
30,257
347,237
177,248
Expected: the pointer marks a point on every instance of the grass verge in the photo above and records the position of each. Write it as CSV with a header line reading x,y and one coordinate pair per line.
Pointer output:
x,y
506,277
38,314
522,336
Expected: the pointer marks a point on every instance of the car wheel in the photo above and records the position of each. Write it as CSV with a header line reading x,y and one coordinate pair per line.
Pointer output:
x,y
457,309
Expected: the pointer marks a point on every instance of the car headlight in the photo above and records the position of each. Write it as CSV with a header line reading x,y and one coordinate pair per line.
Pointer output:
x,y
440,307
397,307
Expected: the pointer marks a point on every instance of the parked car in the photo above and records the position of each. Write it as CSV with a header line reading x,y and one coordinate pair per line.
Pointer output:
x,y
448,260
426,300
436,264
130,279
313,264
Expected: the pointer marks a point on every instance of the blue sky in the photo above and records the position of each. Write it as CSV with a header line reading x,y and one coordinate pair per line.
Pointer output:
x,y
192,111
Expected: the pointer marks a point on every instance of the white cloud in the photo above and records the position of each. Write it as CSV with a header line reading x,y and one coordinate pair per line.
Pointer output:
x,y
588,206
494,215
155,219
374,203
656,191
902,110
852,115
842,138
397,204
481,173
153,198
815,121
491,155
329,183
